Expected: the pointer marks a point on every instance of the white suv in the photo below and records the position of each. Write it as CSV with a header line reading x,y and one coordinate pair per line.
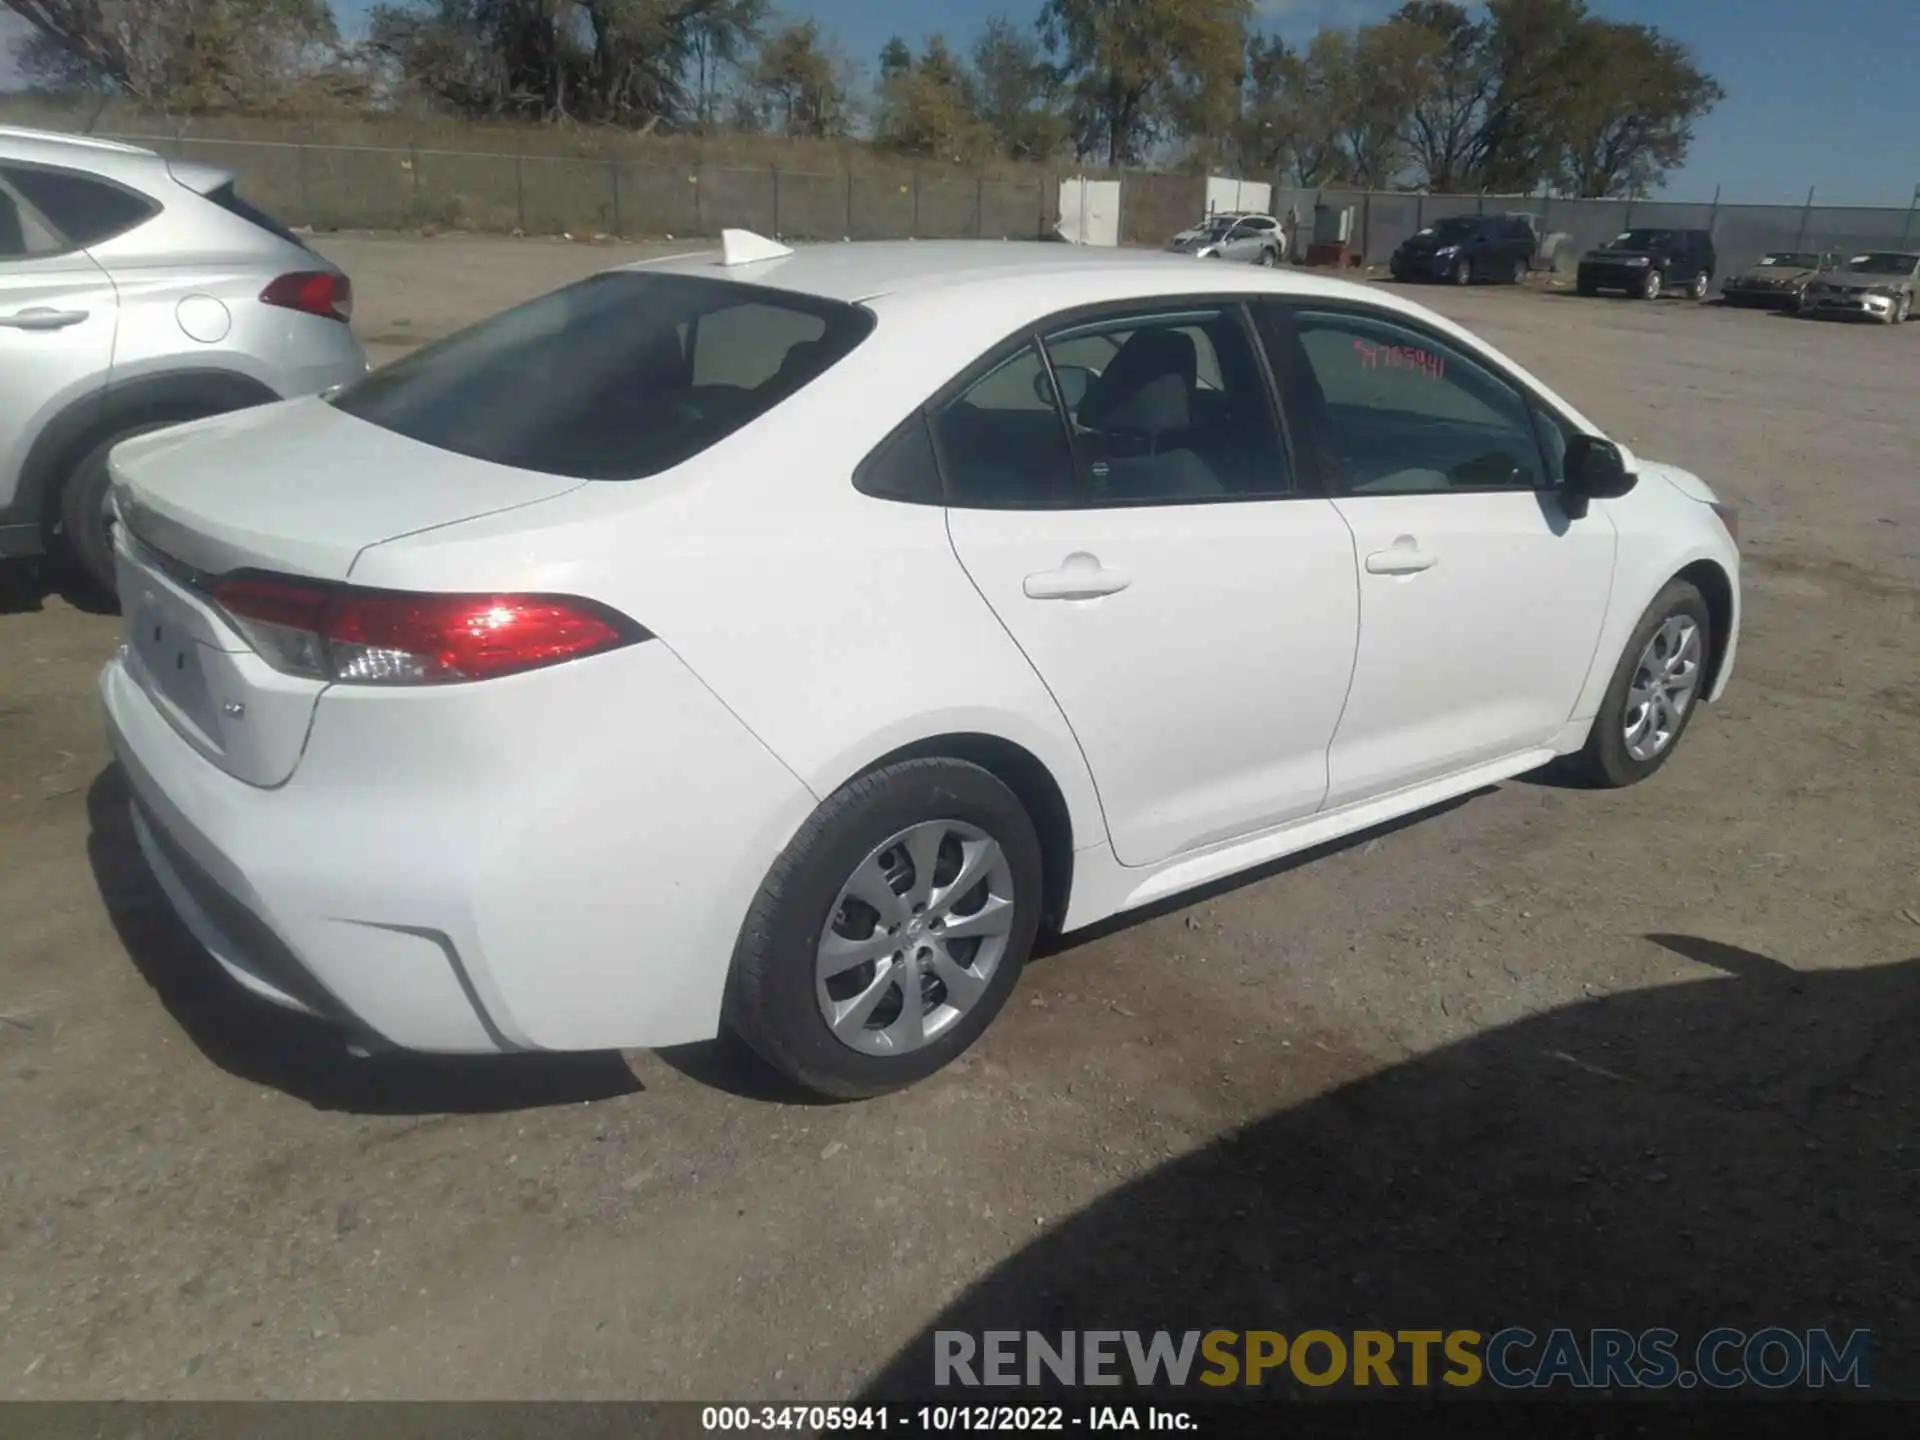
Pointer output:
x,y
137,292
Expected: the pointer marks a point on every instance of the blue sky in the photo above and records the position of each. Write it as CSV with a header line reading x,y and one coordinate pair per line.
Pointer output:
x,y
1819,92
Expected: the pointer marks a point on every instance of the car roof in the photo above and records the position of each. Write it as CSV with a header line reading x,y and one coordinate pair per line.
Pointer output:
x,y
869,269
21,143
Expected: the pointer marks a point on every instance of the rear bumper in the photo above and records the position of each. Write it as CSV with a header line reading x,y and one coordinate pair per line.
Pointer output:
x,y
465,884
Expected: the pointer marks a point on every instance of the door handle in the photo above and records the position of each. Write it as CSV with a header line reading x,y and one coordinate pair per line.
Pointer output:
x,y
1401,560
42,319
1080,577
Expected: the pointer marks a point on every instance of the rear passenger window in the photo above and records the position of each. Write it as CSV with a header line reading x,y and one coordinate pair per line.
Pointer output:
x,y
1001,443
85,210
902,466
1169,409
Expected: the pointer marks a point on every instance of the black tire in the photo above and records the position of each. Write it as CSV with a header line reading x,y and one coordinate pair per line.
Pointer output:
x,y
1520,269
1697,289
1653,286
1604,762
1462,273
771,1000
84,534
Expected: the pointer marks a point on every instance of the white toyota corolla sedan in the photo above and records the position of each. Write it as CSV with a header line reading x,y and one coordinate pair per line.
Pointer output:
x,y
782,640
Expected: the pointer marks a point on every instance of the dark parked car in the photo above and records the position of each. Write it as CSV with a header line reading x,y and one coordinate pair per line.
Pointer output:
x,y
1465,248
1778,279
1648,263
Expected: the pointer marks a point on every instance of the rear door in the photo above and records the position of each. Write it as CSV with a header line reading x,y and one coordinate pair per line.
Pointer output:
x,y
1191,609
58,313
1481,599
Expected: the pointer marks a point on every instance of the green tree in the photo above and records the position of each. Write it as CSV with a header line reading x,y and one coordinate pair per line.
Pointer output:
x,y
1142,71
1621,138
802,84
1015,91
719,42
928,107
895,59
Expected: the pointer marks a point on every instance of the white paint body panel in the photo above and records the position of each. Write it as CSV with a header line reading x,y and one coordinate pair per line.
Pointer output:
x,y
1485,653
1204,694
563,859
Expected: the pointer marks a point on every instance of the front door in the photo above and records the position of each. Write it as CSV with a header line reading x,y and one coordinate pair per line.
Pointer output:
x,y
1481,599
1192,612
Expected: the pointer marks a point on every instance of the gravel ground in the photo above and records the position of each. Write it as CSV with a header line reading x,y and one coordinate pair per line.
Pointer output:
x,y
1635,1058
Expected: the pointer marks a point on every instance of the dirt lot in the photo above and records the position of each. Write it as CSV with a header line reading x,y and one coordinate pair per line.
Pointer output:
x,y
1548,1056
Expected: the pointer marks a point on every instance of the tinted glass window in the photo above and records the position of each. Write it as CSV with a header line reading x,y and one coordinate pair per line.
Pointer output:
x,y
86,211
1002,444
13,235
1169,408
617,377
230,200
902,467
1398,411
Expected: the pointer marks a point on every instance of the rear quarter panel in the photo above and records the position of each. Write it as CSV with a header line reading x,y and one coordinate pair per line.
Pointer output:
x,y
836,626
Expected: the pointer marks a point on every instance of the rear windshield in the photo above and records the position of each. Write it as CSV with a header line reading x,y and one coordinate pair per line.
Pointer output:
x,y
230,200
614,378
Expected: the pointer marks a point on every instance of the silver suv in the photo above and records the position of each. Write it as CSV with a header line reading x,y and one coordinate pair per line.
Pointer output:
x,y
138,292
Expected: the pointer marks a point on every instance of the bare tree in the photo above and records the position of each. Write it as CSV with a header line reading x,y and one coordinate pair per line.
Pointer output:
x,y
184,54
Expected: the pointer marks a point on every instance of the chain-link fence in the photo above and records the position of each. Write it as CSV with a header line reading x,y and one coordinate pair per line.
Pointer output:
x,y
335,187
1742,233
630,192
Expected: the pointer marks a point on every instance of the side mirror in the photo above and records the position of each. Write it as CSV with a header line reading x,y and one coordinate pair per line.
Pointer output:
x,y
1596,470
1074,380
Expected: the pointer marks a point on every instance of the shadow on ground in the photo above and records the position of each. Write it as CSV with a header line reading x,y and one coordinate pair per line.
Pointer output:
x,y
264,1044
1737,1151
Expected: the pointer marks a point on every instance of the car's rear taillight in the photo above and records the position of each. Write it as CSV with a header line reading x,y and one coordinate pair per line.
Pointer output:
x,y
393,637
325,293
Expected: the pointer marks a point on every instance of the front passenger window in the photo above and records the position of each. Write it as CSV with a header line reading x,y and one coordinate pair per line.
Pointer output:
x,y
1397,411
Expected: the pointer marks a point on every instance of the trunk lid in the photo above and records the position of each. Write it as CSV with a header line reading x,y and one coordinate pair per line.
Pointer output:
x,y
298,488
301,488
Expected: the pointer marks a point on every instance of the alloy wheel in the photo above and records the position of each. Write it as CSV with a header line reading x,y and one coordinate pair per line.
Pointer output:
x,y
1651,290
1664,681
914,937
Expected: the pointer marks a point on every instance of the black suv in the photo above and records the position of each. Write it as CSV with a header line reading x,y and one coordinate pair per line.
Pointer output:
x,y
1465,248
1649,263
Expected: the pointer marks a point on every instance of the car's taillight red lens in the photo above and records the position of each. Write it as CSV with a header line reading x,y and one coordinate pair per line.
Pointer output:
x,y
312,292
391,637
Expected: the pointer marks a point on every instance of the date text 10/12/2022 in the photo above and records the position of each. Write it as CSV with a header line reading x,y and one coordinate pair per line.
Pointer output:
x,y
945,1419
